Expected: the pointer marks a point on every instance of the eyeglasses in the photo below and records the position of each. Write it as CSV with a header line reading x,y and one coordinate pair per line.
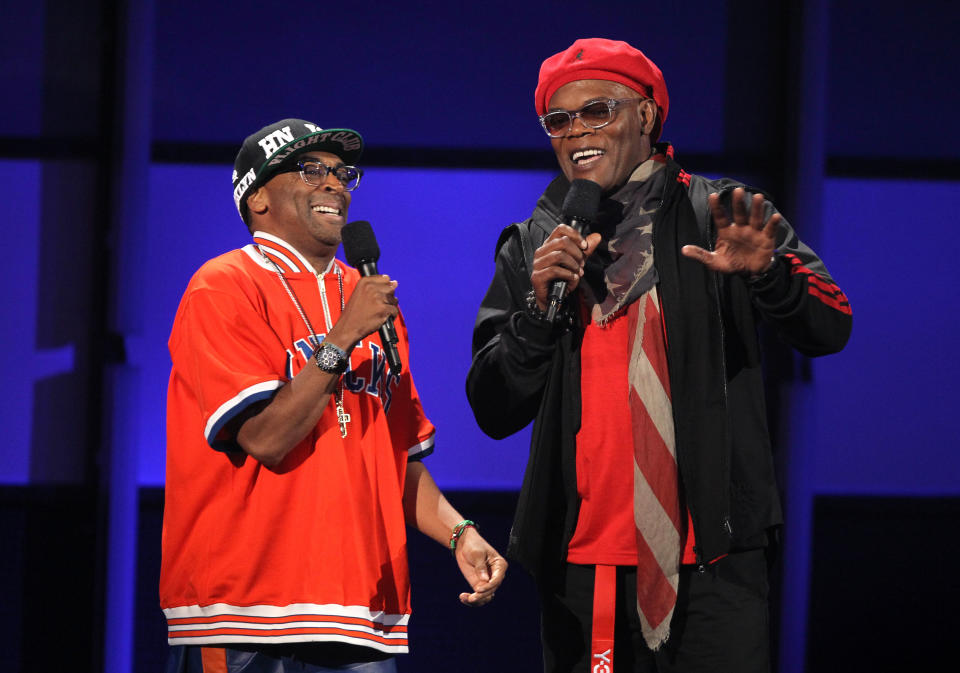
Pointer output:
x,y
595,115
315,173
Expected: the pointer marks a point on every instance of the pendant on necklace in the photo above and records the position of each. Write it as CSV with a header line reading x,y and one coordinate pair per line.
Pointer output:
x,y
342,418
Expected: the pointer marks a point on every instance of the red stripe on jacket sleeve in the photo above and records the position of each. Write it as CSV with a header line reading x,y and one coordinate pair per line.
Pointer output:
x,y
826,292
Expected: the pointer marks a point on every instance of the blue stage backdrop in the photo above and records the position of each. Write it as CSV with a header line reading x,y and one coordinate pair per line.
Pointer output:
x,y
879,419
883,411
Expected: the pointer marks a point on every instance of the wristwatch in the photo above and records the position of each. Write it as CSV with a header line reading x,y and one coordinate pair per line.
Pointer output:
x,y
331,359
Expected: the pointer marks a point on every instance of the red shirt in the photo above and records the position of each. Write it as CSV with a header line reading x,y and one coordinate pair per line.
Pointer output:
x,y
606,532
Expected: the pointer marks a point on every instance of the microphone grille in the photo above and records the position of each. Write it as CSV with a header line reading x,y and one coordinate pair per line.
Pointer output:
x,y
582,201
359,243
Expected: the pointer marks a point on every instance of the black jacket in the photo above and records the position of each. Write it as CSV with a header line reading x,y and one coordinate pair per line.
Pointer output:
x,y
525,370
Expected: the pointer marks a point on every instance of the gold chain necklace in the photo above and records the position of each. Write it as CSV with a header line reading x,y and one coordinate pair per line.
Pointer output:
x,y
342,417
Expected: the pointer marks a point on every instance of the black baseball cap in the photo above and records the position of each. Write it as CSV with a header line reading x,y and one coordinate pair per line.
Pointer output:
x,y
275,146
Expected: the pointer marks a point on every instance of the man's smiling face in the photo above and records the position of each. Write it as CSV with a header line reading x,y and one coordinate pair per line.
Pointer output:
x,y
609,154
309,217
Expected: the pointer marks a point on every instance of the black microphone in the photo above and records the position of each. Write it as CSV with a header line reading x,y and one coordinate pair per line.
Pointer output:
x,y
362,252
580,208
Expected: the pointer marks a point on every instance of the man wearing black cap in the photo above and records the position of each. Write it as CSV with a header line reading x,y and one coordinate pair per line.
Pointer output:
x,y
649,500
293,451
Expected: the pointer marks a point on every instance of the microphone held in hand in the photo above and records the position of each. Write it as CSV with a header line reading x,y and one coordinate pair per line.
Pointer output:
x,y
362,252
579,210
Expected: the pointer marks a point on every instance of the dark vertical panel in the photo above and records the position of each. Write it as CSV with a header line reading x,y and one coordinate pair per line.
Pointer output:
x,y
66,406
73,73
123,293
805,44
13,577
65,524
758,89
77,99
884,585
893,90
49,601
755,88
21,61
150,647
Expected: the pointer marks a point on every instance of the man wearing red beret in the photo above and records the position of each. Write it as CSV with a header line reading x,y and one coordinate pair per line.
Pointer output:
x,y
649,503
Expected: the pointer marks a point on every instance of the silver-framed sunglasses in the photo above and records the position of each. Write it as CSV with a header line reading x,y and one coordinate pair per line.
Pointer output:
x,y
595,115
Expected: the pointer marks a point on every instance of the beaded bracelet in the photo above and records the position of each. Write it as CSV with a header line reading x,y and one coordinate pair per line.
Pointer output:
x,y
458,530
533,310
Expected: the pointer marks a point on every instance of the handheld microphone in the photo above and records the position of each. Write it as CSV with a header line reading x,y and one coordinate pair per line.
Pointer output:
x,y
579,209
362,252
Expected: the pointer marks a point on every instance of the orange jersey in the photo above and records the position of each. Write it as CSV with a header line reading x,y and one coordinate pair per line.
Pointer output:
x,y
314,550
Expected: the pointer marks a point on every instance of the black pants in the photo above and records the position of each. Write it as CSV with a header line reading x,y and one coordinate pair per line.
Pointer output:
x,y
721,622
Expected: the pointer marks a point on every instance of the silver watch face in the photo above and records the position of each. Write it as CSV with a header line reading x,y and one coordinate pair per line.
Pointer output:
x,y
330,359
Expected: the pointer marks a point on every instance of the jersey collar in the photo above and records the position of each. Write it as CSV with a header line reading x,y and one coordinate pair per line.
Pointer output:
x,y
284,255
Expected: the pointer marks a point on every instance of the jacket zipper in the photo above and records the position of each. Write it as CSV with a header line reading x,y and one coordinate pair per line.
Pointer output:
x,y
711,244
723,348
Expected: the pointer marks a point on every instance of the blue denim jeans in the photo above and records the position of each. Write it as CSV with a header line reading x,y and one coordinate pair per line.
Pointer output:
x,y
295,658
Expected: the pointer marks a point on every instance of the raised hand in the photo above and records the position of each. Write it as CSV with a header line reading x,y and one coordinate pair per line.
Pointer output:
x,y
744,245
370,304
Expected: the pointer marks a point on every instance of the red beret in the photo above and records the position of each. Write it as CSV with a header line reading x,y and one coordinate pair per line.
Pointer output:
x,y
598,58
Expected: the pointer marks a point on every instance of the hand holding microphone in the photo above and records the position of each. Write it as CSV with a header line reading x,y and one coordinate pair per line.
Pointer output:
x,y
362,252
558,263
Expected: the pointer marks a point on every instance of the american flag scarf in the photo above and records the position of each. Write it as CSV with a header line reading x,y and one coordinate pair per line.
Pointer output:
x,y
622,274
656,502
